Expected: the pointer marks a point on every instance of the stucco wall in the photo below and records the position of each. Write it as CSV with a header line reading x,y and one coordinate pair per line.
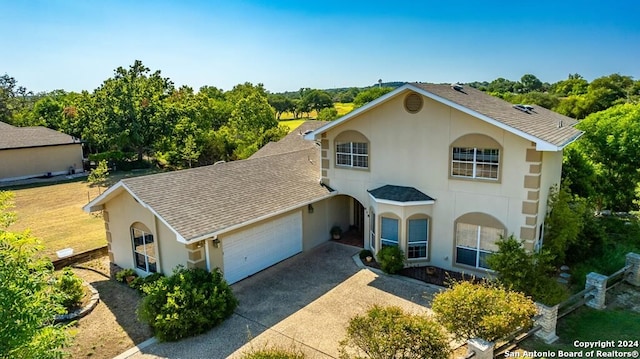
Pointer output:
x,y
326,214
37,161
122,212
414,150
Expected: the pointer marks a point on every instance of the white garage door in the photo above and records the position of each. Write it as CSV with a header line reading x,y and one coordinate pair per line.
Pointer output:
x,y
262,246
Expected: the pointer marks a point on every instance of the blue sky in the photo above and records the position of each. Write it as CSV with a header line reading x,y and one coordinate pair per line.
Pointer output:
x,y
75,45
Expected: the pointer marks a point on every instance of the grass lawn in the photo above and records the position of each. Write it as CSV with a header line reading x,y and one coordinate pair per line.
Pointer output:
x,y
343,108
53,212
589,325
292,124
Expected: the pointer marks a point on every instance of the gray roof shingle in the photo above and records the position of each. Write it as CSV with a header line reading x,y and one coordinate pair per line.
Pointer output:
x,y
540,122
204,200
399,194
12,137
292,142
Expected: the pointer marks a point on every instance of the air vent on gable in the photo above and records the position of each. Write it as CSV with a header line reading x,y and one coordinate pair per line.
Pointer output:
x,y
413,103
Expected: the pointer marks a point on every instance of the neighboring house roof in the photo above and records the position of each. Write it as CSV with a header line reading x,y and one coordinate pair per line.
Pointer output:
x,y
205,201
292,142
550,131
400,195
12,137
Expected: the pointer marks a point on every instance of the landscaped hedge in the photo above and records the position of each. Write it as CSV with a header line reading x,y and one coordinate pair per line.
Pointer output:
x,y
187,303
391,259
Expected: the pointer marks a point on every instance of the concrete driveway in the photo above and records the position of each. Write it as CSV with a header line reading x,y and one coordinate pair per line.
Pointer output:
x,y
304,302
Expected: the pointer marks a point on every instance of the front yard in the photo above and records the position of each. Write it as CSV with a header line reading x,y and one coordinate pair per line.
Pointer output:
x,y
54,214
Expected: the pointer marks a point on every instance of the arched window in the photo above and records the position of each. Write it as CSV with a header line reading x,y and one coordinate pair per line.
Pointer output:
x,y
475,156
144,251
476,236
352,150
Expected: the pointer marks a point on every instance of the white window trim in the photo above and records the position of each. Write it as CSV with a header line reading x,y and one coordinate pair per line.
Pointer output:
x,y
425,242
352,155
475,164
372,232
144,254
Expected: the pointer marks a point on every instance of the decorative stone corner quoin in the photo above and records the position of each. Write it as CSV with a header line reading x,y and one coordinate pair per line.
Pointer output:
x,y
79,313
547,321
599,291
482,348
632,275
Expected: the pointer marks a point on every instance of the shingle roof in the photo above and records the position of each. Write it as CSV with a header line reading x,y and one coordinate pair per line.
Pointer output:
x,y
201,201
399,194
540,122
294,141
12,137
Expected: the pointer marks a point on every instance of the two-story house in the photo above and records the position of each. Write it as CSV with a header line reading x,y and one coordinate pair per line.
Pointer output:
x,y
441,171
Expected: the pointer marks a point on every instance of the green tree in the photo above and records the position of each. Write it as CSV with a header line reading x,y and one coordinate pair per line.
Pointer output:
x,y
130,104
529,83
501,85
536,98
280,104
575,84
28,298
578,172
14,99
483,310
564,221
328,114
611,143
389,332
370,94
317,100
98,176
527,272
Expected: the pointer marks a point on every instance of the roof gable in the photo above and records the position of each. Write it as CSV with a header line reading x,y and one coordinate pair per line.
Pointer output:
x,y
549,130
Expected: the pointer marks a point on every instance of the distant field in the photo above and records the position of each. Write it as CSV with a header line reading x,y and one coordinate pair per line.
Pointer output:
x,y
292,124
54,214
343,108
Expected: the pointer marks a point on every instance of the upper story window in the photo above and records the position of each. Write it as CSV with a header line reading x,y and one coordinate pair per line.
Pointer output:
x,y
475,156
352,154
352,150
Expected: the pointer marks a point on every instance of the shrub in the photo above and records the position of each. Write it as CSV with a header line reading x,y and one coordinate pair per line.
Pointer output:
x,y
140,283
328,114
122,275
529,273
391,259
187,303
274,353
69,289
388,332
482,310
364,254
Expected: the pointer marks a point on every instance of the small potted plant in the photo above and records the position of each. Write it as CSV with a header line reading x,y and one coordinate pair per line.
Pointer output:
x,y
366,255
336,232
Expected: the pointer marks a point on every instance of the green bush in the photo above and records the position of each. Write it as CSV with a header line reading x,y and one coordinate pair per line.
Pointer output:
x,y
141,283
391,259
122,275
482,310
274,353
529,273
187,303
388,332
69,289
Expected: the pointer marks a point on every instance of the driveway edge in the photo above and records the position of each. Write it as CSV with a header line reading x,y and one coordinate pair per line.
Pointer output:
x,y
137,348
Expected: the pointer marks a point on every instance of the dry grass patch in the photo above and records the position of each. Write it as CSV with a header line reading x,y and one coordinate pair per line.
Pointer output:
x,y
54,214
292,124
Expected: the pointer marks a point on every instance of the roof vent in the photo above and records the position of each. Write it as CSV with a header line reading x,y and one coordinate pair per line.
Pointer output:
x,y
457,87
219,162
560,124
413,103
523,108
307,132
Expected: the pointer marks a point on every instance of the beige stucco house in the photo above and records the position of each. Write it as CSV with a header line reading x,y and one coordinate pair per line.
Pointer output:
x,y
440,171
27,152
